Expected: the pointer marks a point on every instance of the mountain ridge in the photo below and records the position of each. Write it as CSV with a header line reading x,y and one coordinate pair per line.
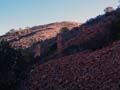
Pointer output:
x,y
36,33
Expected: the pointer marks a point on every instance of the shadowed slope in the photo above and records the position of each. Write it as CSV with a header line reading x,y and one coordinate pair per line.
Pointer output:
x,y
99,70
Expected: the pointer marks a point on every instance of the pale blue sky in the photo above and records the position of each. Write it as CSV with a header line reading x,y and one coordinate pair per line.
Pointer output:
x,y
22,13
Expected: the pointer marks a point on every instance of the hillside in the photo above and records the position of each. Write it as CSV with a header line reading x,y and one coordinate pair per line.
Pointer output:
x,y
98,70
64,56
26,37
88,61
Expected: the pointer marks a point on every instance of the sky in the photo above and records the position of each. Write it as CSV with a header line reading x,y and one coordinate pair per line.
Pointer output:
x,y
22,13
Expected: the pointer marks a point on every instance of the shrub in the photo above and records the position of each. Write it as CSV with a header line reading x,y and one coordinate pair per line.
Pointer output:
x,y
116,28
13,64
64,29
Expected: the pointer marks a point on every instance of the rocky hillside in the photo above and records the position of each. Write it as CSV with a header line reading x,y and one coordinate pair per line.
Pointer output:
x,y
88,61
67,56
99,70
25,38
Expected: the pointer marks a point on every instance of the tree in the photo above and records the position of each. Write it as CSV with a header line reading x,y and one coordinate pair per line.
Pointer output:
x,y
7,63
115,28
64,29
109,9
11,31
13,65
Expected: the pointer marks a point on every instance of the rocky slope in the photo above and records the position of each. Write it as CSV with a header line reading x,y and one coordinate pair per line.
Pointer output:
x,y
85,57
99,70
25,38
94,67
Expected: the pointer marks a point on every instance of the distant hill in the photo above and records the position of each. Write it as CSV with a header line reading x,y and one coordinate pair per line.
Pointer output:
x,y
25,38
